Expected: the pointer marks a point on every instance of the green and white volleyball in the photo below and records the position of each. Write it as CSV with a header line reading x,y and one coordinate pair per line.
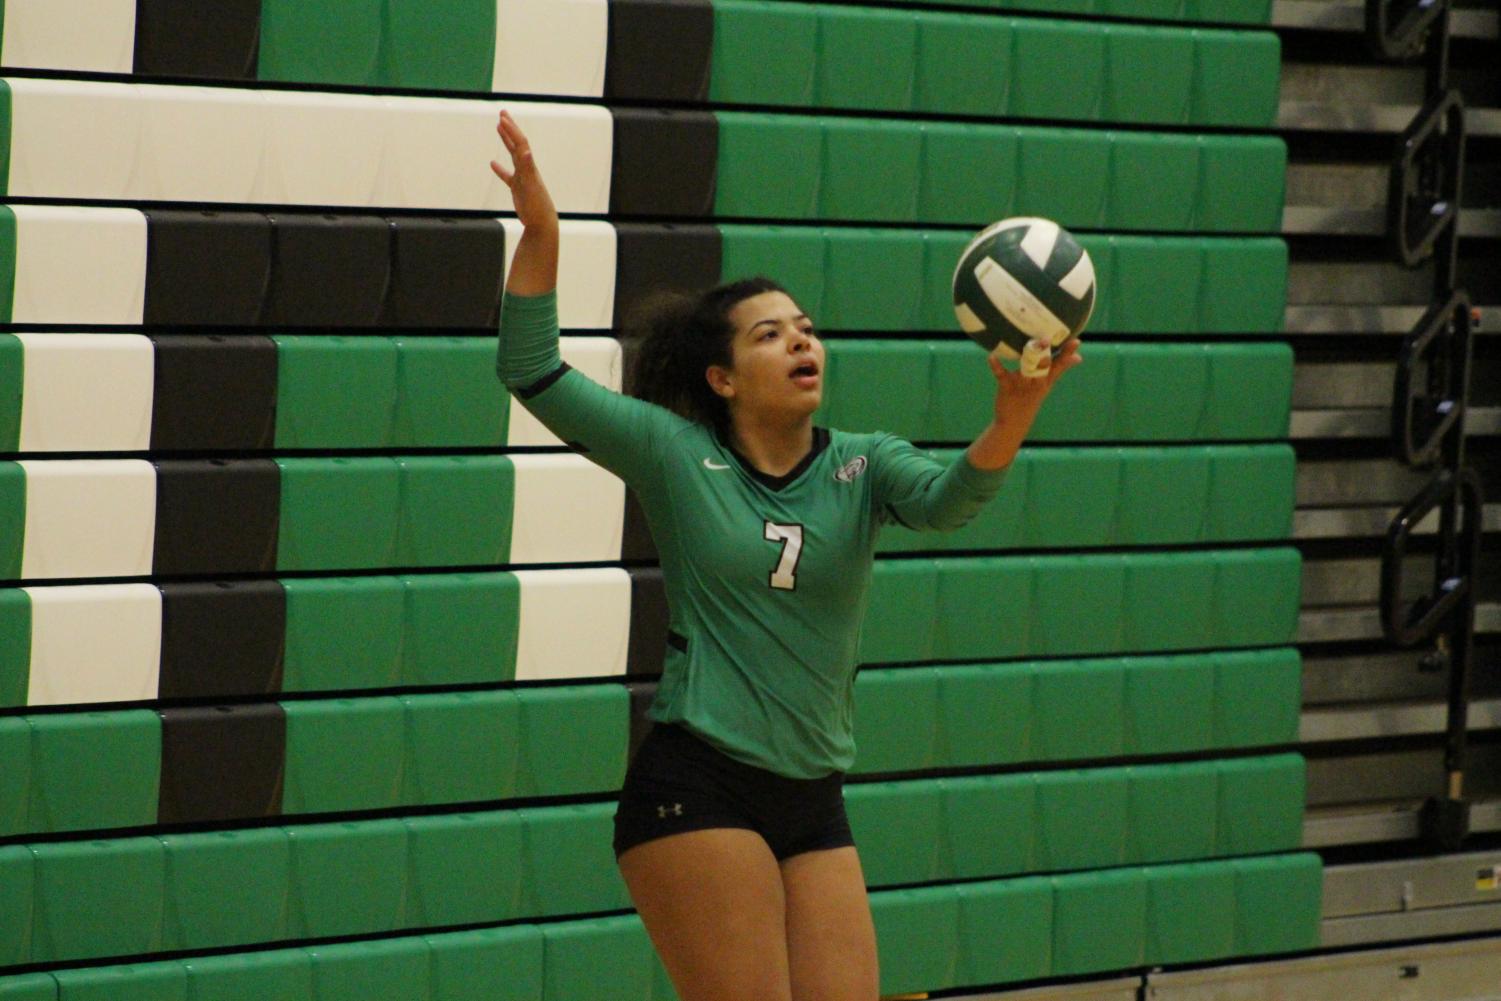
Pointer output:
x,y
1021,279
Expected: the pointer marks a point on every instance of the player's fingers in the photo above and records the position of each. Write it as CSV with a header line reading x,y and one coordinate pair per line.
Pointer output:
x,y
1037,359
501,172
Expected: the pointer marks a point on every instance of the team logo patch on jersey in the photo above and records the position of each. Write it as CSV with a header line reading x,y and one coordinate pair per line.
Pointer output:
x,y
852,470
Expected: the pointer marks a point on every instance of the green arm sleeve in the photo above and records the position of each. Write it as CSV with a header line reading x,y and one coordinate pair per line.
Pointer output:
x,y
620,433
917,492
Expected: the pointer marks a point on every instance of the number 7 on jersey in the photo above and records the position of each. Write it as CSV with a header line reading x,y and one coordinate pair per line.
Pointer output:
x,y
784,577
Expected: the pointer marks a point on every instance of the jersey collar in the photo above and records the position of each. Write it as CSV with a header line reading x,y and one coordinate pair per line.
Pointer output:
x,y
820,442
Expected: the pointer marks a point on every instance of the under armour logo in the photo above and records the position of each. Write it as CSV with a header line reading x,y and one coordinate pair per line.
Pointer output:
x,y
663,813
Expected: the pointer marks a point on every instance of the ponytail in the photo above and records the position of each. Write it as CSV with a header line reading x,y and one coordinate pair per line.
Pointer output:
x,y
673,337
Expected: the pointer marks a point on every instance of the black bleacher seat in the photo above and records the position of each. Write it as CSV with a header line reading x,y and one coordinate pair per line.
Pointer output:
x,y
214,392
328,270
206,267
222,762
659,50
222,638
217,516
650,256
649,614
446,272
646,141
196,39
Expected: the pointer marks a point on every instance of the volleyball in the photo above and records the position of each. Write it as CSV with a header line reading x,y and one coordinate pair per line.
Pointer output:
x,y
1021,279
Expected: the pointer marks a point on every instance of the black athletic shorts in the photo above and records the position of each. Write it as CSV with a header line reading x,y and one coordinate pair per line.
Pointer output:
x,y
677,782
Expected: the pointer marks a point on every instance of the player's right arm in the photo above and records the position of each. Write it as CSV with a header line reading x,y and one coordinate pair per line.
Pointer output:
x,y
615,431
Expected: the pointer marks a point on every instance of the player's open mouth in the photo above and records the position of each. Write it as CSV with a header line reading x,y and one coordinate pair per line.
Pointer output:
x,y
805,375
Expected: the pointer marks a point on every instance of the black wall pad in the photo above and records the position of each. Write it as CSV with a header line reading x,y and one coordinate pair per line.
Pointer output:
x,y
222,763
665,162
328,270
222,639
217,516
206,267
648,645
652,256
660,50
446,272
214,392
642,694
636,542
193,38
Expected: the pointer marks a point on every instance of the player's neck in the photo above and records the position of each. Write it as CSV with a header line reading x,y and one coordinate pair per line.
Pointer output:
x,y
774,447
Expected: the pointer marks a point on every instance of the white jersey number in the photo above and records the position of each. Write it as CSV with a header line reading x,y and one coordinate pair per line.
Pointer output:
x,y
784,577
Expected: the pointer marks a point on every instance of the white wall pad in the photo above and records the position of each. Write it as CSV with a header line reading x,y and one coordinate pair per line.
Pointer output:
x,y
573,145
323,149
574,623
551,47
568,510
94,35
597,357
89,518
87,393
440,154
95,643
73,138
202,144
586,271
79,265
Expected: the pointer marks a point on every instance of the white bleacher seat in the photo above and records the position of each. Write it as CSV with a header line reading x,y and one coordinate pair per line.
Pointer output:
x,y
323,149
440,153
574,144
79,265
567,510
586,271
574,623
97,36
87,392
597,357
74,138
89,518
551,47
94,643
201,144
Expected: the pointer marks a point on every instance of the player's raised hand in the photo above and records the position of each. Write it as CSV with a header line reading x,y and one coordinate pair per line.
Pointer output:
x,y
534,205
1035,376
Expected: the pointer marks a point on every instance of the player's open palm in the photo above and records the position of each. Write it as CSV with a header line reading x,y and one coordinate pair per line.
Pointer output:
x,y
528,193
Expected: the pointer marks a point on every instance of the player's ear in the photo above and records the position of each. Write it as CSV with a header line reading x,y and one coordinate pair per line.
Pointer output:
x,y
720,381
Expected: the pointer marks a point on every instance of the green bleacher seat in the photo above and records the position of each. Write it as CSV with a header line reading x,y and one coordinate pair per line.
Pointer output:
x,y
465,868
354,971
929,915
1099,921
1190,912
138,982
15,780
17,904
900,280
480,728
347,878
570,867
94,770
489,963
285,974
29,987
574,953
1260,805
225,888
1170,811
344,754
1005,930
97,898
871,170
1278,901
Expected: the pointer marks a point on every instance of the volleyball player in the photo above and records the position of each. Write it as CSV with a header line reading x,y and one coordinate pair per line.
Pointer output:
x,y
731,832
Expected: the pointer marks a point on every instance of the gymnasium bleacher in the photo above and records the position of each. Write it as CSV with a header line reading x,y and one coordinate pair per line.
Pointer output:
x,y
321,661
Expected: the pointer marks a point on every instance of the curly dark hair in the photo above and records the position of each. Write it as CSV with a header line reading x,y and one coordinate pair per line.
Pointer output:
x,y
673,337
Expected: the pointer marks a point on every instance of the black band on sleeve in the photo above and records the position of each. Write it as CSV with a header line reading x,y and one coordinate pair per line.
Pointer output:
x,y
527,392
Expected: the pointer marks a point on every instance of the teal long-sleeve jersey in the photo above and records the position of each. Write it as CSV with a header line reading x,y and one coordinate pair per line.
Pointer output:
x,y
766,577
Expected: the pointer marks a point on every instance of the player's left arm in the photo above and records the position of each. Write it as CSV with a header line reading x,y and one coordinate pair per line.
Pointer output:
x,y
916,491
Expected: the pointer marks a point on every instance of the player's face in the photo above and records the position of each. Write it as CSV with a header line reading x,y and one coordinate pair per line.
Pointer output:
x,y
777,360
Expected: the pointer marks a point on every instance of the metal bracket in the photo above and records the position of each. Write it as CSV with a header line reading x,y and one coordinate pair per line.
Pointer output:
x,y
1461,503
1423,188
1445,822
1424,414
1395,30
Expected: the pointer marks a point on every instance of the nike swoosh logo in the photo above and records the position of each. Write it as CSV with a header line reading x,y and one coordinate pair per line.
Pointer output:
x,y
713,465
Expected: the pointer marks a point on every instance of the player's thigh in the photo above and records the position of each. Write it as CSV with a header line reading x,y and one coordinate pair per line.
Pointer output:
x,y
713,905
831,939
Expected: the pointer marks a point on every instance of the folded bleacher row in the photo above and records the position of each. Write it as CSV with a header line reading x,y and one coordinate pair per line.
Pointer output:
x,y
388,875
115,642
290,647
129,517
829,56
169,267
81,771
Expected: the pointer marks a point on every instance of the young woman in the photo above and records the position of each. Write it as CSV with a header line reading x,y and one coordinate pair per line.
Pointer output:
x,y
731,832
